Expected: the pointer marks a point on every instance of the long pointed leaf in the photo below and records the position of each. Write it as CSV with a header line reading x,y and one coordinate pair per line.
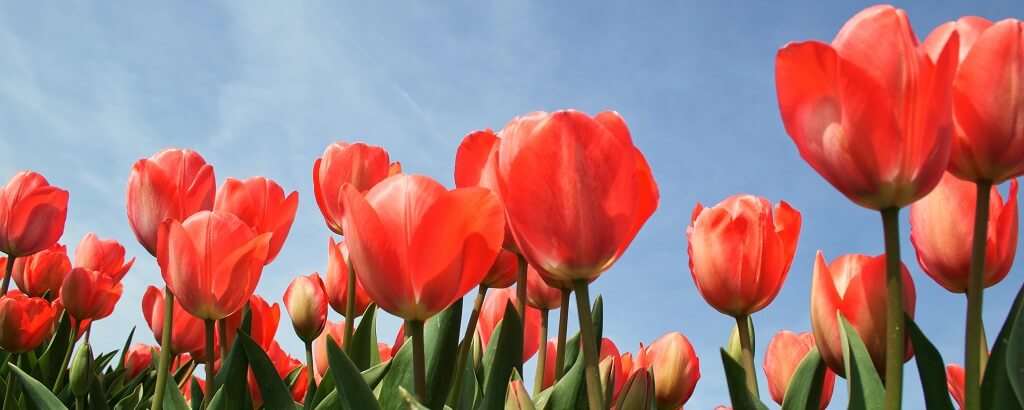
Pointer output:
x,y
997,392
506,348
866,389
805,387
930,367
441,345
365,340
274,391
348,382
36,393
736,379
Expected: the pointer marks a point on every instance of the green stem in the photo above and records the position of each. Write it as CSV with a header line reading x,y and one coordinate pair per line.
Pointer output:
x,y
521,299
211,372
163,368
222,333
542,355
563,322
63,372
350,309
894,339
467,344
415,328
594,394
7,274
308,402
9,391
975,296
747,356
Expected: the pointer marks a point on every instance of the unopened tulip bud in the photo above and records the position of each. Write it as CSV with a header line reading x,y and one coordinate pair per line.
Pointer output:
x,y
675,367
638,391
306,302
139,359
81,371
517,398
782,357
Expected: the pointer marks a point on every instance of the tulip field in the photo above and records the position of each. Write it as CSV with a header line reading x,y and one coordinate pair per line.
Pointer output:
x,y
503,267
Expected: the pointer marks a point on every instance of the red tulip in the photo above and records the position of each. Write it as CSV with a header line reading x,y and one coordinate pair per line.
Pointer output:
x,y
32,214
89,294
187,332
41,272
476,164
854,285
502,273
418,248
942,239
675,366
385,351
332,330
740,252
610,352
306,302
783,356
576,191
988,97
358,164
211,262
104,255
138,359
24,322
78,326
284,364
173,183
261,203
870,112
399,341
539,294
955,383
337,281
493,311
186,389
265,318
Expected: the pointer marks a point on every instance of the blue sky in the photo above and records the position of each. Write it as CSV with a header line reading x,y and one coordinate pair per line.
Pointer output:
x,y
258,88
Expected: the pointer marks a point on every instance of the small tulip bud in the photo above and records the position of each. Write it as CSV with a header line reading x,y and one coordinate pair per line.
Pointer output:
x,y
517,398
81,372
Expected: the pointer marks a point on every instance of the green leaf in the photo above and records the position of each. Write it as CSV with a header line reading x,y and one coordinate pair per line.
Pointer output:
x,y
329,402
597,316
469,392
326,387
197,394
365,340
441,348
866,389
275,393
410,400
997,391
233,378
374,375
736,379
35,392
124,349
1015,359
506,351
805,387
930,367
97,400
172,396
130,401
570,391
348,382
51,361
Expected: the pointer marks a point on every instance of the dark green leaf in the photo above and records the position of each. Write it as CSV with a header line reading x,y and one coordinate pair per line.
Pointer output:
x,y
172,396
35,392
353,393
374,375
233,378
930,367
197,394
53,359
506,350
805,387
97,399
736,379
326,387
997,392
866,390
1015,358
570,391
365,340
275,393
130,401
441,334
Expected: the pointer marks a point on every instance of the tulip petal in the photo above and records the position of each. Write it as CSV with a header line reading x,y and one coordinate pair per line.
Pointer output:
x,y
476,160
37,220
180,265
378,264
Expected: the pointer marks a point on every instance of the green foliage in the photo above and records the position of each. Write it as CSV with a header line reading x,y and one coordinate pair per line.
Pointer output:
x,y
866,390
805,387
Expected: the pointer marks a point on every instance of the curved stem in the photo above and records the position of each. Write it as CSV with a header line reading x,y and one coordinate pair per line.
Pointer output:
x,y
563,319
419,369
747,356
7,274
542,355
163,368
589,341
9,391
211,372
467,345
308,402
350,308
894,339
975,296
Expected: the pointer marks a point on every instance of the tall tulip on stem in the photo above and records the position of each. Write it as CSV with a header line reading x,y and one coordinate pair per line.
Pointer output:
x,y
544,298
306,301
32,215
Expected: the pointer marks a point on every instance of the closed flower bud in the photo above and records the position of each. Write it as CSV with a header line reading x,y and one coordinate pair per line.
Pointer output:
x,y
782,357
138,360
306,302
675,367
516,398
638,391
81,370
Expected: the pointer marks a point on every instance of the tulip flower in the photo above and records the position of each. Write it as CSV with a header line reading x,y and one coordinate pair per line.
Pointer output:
x,y
358,164
173,183
25,322
781,359
334,330
337,281
476,164
306,302
855,286
32,214
516,397
955,383
261,203
943,241
138,360
104,255
41,272
89,294
637,391
538,294
187,331
502,273
211,262
77,326
494,310
675,367
265,318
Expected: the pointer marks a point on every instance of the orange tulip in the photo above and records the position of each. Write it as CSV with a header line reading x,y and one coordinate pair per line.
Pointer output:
x,y
502,273
41,272
943,240
538,294
261,203
955,383
740,252
104,255
211,262
675,366
576,191
854,285
358,164
265,318
337,281
187,332
417,247
24,322
306,302
493,311
173,183
871,112
476,164
32,214
988,97
781,358
139,359
89,294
